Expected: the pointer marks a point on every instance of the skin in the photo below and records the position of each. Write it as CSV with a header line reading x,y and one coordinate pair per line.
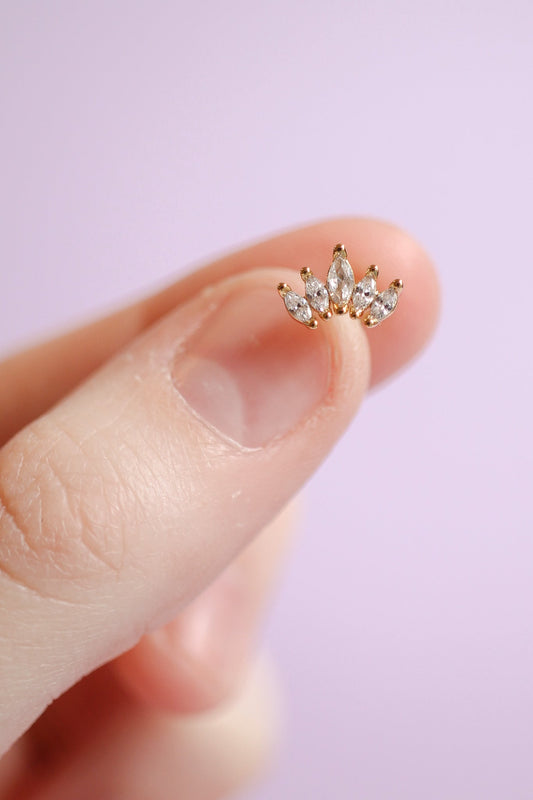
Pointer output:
x,y
142,522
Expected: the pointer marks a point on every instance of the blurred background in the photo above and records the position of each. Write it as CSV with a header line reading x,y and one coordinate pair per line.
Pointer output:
x,y
139,138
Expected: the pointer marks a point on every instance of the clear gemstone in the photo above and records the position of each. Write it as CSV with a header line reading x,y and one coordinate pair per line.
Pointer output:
x,y
317,294
340,281
298,307
364,293
384,304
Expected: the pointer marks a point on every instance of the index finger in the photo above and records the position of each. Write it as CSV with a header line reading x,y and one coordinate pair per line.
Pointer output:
x,y
34,380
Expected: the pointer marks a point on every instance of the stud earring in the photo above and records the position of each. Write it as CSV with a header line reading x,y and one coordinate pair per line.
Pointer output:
x,y
341,294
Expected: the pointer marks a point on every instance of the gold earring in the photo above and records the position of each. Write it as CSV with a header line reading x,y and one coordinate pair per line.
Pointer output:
x,y
341,294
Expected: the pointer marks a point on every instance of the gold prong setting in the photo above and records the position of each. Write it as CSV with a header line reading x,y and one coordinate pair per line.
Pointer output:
x,y
341,294
339,249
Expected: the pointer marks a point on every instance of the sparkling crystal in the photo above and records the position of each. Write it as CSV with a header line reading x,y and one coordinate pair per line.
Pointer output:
x,y
298,307
364,293
384,304
340,281
316,294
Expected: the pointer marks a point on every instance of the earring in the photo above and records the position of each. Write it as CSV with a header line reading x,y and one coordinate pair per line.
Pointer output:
x,y
340,294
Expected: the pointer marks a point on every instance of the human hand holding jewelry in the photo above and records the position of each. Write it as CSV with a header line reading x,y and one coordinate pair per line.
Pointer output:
x,y
159,443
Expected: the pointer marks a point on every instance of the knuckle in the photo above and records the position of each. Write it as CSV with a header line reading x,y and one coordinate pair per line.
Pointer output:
x,y
60,522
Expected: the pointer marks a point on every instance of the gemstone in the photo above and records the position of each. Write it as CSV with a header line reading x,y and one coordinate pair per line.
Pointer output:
x,y
298,307
364,293
340,281
383,305
316,294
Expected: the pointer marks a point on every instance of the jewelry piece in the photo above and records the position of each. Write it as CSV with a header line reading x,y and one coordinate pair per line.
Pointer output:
x,y
341,293
340,280
297,306
316,293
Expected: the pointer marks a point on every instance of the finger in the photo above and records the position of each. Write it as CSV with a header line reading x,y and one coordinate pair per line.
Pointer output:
x,y
34,380
201,657
136,754
127,499
13,764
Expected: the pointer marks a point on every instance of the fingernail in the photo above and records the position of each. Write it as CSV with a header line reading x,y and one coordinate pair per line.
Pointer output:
x,y
249,371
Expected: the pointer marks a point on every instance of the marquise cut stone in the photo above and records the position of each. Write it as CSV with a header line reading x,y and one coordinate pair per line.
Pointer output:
x,y
384,304
340,281
317,294
298,307
364,293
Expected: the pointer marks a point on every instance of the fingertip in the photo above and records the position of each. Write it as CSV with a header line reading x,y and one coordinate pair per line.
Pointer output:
x,y
398,254
368,241
400,339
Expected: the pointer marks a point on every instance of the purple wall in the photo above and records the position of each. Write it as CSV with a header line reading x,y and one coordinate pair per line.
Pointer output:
x,y
139,137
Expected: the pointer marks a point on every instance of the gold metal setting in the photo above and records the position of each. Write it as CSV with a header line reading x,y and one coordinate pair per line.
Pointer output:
x,y
340,249
341,294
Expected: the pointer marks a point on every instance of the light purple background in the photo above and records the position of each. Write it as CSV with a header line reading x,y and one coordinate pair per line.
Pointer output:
x,y
141,137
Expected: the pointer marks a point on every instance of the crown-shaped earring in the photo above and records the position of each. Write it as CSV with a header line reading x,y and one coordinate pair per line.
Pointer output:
x,y
341,294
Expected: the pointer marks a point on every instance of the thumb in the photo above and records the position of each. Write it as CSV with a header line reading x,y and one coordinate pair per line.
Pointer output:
x,y
125,500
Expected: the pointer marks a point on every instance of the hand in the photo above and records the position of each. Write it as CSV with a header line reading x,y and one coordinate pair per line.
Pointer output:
x,y
141,456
